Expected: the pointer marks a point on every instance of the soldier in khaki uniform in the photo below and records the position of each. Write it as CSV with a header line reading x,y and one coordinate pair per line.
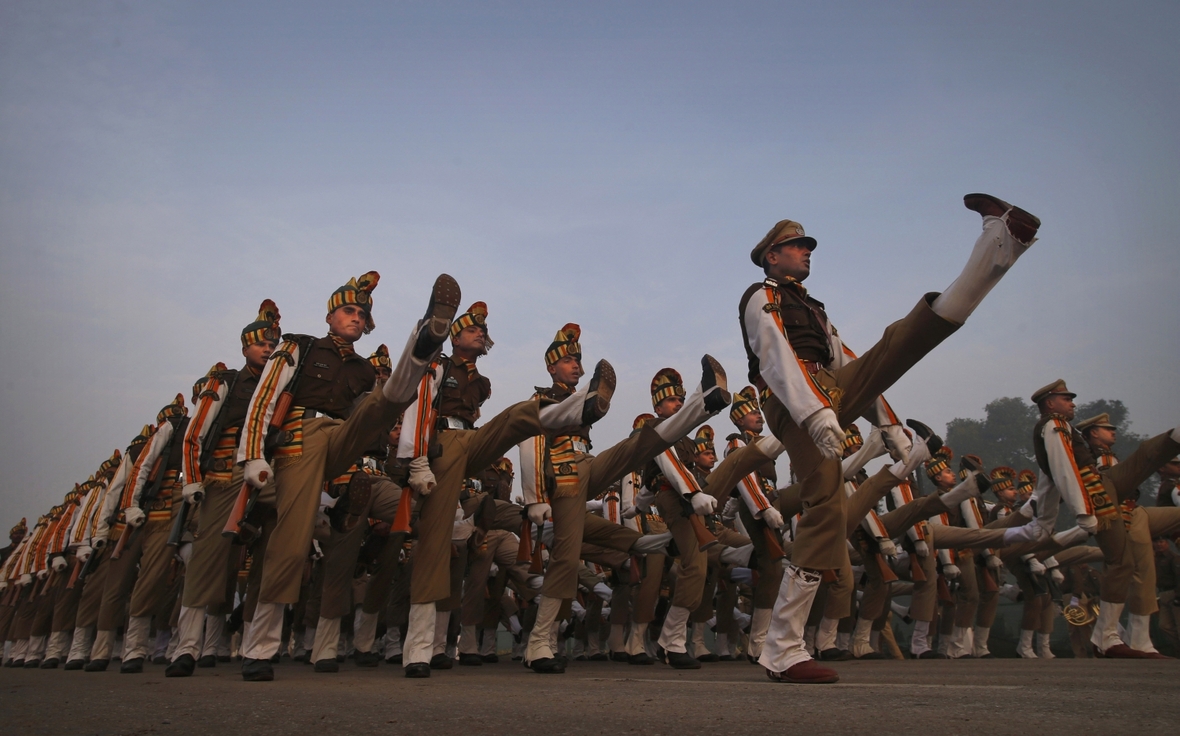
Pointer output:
x,y
817,388
1070,474
212,482
559,476
318,434
444,448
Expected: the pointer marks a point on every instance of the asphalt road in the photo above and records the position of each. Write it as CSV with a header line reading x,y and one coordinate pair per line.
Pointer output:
x,y
1000,696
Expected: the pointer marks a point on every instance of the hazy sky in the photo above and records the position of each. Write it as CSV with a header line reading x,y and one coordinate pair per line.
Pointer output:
x,y
166,166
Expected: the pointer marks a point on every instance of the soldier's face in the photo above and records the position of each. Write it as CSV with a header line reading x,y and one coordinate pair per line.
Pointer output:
x,y
258,353
1007,496
946,479
1104,437
567,370
1060,404
789,259
347,322
395,435
752,422
706,460
669,406
470,341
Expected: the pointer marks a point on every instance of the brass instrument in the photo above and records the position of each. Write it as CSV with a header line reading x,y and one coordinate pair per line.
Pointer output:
x,y
1081,615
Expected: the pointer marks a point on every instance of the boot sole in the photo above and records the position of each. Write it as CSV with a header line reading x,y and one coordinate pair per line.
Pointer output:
x,y
602,388
1022,219
444,303
713,375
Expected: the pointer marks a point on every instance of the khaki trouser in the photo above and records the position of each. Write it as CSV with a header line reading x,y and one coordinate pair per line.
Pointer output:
x,y
501,550
770,570
464,454
26,611
595,474
120,579
43,616
820,535
690,583
967,594
155,567
92,589
65,607
330,447
647,592
207,572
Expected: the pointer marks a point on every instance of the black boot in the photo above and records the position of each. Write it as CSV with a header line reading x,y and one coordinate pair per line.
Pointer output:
x,y
182,666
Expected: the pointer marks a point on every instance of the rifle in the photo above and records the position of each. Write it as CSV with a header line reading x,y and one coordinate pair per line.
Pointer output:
x,y
705,538
213,434
538,565
944,590
916,573
887,573
773,547
989,581
525,551
78,564
178,524
236,524
88,567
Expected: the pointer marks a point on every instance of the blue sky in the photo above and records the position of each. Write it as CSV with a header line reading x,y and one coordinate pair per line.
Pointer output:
x,y
166,166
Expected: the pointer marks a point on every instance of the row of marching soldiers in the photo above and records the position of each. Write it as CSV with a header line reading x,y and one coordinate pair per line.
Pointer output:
x,y
388,451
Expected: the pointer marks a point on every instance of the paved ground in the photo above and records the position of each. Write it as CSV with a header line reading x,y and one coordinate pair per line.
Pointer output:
x,y
998,696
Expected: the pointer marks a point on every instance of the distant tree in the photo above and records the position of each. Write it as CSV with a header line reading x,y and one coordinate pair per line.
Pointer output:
x,y
1004,437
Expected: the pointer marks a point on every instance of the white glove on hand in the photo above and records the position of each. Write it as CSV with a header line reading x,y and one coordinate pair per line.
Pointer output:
x,y
1057,576
643,500
730,511
631,513
887,547
921,549
538,513
603,591
135,516
896,442
58,564
1035,566
594,504
702,503
1088,523
741,575
193,493
257,473
950,572
422,481
994,562
185,553
317,552
84,553
464,528
26,579
825,431
43,573
772,517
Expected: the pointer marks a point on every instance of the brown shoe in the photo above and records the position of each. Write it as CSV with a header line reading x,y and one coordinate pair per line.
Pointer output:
x,y
1122,651
1023,225
806,672
436,327
601,389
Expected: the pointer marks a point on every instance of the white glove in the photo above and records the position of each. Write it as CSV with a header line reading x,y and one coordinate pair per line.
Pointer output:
x,y
702,503
538,513
317,552
994,562
257,473
631,513
1057,576
643,500
730,511
887,547
896,442
1035,566
594,504
26,579
135,516
921,549
422,481
1088,523
43,573
58,564
185,553
464,528
741,575
193,493
603,591
84,553
825,431
950,572
772,517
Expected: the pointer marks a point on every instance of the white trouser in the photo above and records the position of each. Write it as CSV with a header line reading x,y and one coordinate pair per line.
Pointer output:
x,y
784,639
135,644
674,633
364,630
995,251
83,638
103,643
442,621
190,633
59,644
759,625
264,634
541,638
214,632
327,639
420,634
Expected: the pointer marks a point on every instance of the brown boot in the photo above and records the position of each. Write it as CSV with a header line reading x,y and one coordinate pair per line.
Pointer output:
x,y
807,672
1023,225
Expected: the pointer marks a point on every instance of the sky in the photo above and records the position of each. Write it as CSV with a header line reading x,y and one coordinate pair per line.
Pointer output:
x,y
165,166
